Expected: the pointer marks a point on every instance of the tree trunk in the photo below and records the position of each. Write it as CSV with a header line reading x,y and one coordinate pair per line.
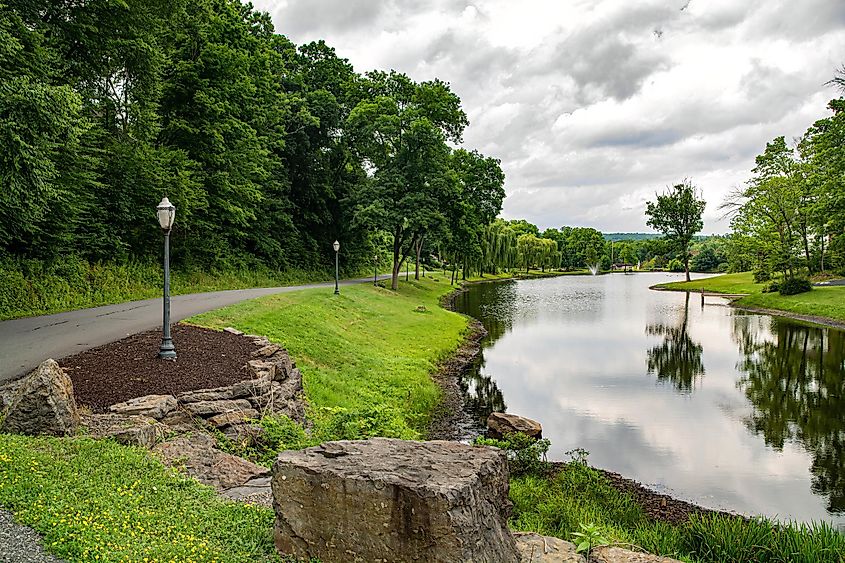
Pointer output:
x,y
686,264
397,264
418,250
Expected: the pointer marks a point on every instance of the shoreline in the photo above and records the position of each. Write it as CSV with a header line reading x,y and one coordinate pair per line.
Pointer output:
x,y
451,422
734,298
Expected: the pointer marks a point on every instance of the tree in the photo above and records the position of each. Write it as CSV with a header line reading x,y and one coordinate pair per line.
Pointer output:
x,y
400,129
677,214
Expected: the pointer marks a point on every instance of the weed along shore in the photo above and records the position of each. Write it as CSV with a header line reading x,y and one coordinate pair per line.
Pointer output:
x,y
373,363
823,304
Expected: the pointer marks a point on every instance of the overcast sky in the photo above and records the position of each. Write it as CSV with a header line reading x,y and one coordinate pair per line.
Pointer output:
x,y
592,106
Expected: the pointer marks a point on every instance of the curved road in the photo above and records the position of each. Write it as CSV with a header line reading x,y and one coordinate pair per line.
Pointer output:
x,y
25,343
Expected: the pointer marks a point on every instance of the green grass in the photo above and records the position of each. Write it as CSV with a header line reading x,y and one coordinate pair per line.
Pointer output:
x,y
32,288
827,302
100,501
366,355
578,494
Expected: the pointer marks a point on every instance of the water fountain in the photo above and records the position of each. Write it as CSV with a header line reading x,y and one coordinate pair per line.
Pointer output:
x,y
594,269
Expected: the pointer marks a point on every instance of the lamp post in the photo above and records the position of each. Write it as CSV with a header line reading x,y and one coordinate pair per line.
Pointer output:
x,y
166,213
336,246
375,269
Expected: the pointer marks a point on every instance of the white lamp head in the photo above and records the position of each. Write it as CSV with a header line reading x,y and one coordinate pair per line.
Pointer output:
x,y
336,246
166,213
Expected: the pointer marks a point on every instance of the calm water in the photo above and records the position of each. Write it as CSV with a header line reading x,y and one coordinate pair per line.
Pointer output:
x,y
727,409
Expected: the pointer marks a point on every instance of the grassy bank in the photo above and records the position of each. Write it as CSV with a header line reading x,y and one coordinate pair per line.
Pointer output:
x,y
33,288
366,355
580,497
825,302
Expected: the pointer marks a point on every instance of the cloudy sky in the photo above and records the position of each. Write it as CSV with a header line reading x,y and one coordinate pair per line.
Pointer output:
x,y
591,105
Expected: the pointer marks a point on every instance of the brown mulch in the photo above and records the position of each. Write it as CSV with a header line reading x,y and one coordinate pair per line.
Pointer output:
x,y
130,367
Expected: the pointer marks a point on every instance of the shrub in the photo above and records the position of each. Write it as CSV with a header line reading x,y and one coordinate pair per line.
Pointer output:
x,y
762,275
794,286
525,454
773,287
675,265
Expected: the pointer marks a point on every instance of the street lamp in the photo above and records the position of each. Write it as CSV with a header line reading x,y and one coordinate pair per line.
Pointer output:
x,y
336,246
166,213
375,269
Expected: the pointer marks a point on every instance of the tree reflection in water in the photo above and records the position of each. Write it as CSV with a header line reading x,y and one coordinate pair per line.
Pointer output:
x,y
678,358
494,305
794,380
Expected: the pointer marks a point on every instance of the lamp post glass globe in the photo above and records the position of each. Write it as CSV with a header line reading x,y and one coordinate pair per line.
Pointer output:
x,y
336,246
166,214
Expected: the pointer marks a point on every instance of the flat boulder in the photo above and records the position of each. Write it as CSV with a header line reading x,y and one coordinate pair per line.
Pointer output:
x,y
610,554
212,408
42,402
501,423
196,455
393,500
534,548
153,406
131,430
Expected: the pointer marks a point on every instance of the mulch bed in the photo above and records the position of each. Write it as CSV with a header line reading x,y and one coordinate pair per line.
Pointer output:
x,y
130,367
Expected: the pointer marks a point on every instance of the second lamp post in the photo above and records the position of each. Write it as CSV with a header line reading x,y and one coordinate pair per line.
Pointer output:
x,y
336,247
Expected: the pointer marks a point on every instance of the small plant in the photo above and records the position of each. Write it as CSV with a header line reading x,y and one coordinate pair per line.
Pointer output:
x,y
578,455
762,275
525,454
589,537
420,309
773,287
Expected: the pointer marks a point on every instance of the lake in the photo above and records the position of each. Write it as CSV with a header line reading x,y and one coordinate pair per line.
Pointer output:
x,y
727,409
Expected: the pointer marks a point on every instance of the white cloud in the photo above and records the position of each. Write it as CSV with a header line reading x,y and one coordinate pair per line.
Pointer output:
x,y
592,106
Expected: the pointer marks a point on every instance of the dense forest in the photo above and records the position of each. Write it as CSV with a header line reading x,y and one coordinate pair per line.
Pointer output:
x,y
270,151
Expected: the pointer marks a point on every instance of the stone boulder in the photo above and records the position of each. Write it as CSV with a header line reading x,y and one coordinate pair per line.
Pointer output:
x,y
393,500
610,554
131,430
213,408
196,455
42,402
534,548
501,423
153,406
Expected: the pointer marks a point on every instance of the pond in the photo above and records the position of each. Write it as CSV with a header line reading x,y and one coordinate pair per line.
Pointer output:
x,y
727,409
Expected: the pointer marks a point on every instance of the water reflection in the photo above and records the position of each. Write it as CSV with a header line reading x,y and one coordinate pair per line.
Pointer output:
x,y
678,358
793,377
761,433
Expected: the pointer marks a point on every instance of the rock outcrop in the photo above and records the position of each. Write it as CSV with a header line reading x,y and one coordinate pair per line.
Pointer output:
x,y
500,423
393,500
152,406
41,402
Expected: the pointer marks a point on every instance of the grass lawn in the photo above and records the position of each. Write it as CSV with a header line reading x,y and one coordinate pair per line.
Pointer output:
x,y
822,301
366,355
95,500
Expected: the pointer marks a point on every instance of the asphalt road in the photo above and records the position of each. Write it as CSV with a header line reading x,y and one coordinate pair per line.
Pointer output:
x,y
25,343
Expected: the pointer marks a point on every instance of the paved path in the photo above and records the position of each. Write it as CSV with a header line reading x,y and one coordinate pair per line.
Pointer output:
x,y
25,343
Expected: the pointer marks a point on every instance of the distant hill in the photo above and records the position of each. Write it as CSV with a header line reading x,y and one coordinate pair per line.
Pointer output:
x,y
630,236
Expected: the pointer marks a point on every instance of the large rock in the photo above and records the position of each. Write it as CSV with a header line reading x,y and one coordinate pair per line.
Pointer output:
x,y
393,500
534,548
41,403
501,423
153,406
196,455
132,430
